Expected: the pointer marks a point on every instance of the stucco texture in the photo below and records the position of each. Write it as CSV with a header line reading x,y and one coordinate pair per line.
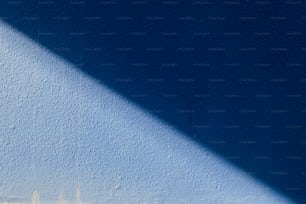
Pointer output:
x,y
60,130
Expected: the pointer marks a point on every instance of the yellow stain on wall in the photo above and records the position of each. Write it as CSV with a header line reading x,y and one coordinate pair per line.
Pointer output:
x,y
61,199
35,198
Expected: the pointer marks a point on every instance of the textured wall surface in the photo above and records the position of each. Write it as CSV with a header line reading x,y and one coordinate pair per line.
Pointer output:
x,y
61,130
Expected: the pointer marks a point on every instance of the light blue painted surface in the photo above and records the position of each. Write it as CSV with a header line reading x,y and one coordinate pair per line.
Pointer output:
x,y
60,129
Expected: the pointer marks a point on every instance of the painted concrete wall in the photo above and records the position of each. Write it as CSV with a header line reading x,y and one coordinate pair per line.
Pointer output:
x,y
61,130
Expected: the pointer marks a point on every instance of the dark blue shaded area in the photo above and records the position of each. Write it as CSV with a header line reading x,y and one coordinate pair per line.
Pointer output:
x,y
230,74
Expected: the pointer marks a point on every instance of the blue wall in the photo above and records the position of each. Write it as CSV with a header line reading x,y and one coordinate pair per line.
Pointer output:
x,y
62,130
228,76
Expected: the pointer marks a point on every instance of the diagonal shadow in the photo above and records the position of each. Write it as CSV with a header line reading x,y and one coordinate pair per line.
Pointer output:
x,y
230,75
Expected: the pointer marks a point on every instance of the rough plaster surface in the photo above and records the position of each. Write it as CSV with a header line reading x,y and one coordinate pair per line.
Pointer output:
x,y
61,130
